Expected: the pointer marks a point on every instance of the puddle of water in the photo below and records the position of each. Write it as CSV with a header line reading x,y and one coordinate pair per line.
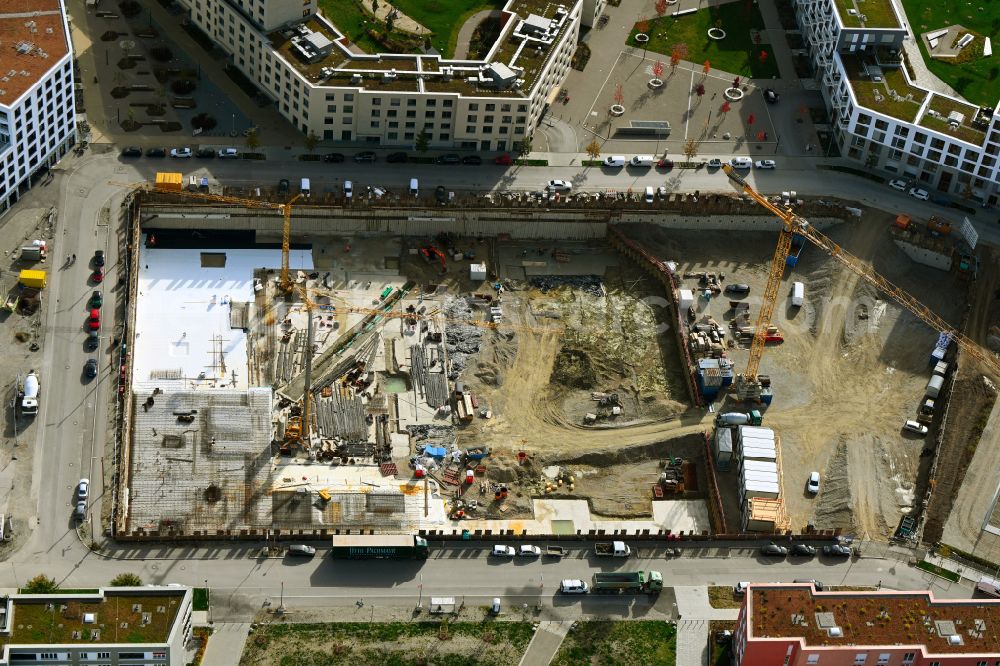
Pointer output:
x,y
394,385
563,527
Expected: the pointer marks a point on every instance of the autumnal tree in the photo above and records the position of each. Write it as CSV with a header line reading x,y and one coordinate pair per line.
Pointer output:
x,y
642,25
126,580
374,6
40,584
661,7
725,108
253,141
675,59
619,95
751,119
658,68
690,149
700,90
594,149
311,141
761,135
736,82
762,57
707,67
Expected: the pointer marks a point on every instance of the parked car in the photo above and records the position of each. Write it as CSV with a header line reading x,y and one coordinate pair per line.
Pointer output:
x,y
228,153
898,184
441,194
715,163
771,96
815,583
665,164
773,550
92,342
915,427
529,551
450,158
90,368
99,258
504,160
650,195
741,587
837,550
737,288
397,158
765,164
337,158
83,490
918,193
204,154
573,586
348,189
80,511
283,186
661,191
183,153
741,163
472,160
803,550
94,321
97,276
812,485
502,551
132,151
366,156
156,152
558,186
301,550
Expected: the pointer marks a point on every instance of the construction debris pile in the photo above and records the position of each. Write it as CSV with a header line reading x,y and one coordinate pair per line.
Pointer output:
x,y
461,340
589,284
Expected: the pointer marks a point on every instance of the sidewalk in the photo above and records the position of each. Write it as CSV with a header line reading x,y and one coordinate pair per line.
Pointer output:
x,y
695,613
225,646
545,643
775,36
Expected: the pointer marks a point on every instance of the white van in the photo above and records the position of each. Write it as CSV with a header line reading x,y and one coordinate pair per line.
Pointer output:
x,y
614,161
798,294
304,187
741,163
642,161
414,187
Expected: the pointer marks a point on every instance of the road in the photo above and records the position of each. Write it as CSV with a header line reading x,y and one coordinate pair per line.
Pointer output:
x,y
73,425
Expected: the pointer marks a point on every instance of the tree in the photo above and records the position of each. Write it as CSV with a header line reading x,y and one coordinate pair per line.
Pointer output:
x,y
642,25
761,135
594,149
390,22
690,149
707,67
525,146
725,108
619,95
661,7
126,580
423,141
751,119
41,584
675,59
700,90
762,57
311,141
374,6
253,141
658,69
736,82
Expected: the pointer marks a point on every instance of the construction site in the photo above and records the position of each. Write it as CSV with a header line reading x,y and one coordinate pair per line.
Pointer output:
x,y
313,369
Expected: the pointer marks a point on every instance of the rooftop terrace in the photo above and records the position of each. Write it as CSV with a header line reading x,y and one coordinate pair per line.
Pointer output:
x,y
892,96
942,108
867,13
117,617
875,619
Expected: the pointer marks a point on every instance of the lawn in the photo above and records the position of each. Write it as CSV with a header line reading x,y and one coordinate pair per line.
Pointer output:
x,y
977,81
350,20
737,53
722,596
607,643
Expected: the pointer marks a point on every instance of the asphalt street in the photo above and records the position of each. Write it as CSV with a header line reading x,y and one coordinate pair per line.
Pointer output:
x,y
73,424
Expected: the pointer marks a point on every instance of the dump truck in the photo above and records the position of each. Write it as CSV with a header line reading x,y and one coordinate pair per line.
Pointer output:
x,y
378,547
650,582
739,418
612,549
29,394
37,251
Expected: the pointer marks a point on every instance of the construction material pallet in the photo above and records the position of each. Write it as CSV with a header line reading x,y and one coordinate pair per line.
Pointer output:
x,y
388,469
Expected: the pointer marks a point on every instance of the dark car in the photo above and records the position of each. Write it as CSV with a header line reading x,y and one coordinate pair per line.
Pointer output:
x,y
337,158
283,186
737,289
204,153
472,160
366,156
132,151
771,96
90,368
156,152
803,550
397,158
450,158
93,340
99,258
665,164
96,299
441,194
301,550
836,550
773,550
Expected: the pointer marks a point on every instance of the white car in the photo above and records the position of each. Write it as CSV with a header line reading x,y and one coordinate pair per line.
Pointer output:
x,y
898,184
813,484
918,193
715,163
180,152
573,586
348,189
228,153
661,191
502,551
650,194
83,489
529,551
558,186
741,587
914,426
765,164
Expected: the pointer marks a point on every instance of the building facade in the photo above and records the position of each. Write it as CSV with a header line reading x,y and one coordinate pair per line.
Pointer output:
x,y
37,111
881,119
783,624
302,62
117,626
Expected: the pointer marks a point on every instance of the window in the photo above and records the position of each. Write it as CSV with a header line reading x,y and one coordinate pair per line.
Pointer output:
x,y
349,97
908,658
491,107
883,658
411,102
812,659
860,658
471,129
473,107
488,120
376,101
472,119
432,102
394,101
411,114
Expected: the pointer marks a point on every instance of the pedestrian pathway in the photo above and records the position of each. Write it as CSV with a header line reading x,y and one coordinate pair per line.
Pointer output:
x,y
225,646
545,643
694,614
775,36
466,31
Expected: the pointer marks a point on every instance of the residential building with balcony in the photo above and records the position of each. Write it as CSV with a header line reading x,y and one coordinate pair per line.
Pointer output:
x,y
785,624
37,112
116,626
302,62
881,118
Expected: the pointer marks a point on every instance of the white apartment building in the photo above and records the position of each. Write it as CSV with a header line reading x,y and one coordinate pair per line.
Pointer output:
x,y
882,119
37,113
304,63
116,626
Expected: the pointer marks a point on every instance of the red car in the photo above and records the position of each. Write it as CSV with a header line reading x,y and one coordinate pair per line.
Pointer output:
x,y
98,275
665,164
94,323
504,160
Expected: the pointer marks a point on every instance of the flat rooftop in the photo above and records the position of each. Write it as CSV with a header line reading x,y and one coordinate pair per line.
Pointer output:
x,y
891,96
941,109
875,619
32,40
867,13
110,616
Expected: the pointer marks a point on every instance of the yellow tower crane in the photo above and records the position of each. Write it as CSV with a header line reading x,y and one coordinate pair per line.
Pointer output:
x,y
748,385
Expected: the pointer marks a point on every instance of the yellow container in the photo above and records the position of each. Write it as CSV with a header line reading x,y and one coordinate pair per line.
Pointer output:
x,y
169,181
32,279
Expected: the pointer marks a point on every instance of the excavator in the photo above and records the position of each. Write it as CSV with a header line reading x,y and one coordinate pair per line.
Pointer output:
x,y
430,251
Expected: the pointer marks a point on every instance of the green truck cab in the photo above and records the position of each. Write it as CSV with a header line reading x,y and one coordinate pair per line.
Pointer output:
x,y
650,582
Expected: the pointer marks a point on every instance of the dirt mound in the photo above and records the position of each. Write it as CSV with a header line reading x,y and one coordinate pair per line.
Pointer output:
x,y
686,446
573,368
834,507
